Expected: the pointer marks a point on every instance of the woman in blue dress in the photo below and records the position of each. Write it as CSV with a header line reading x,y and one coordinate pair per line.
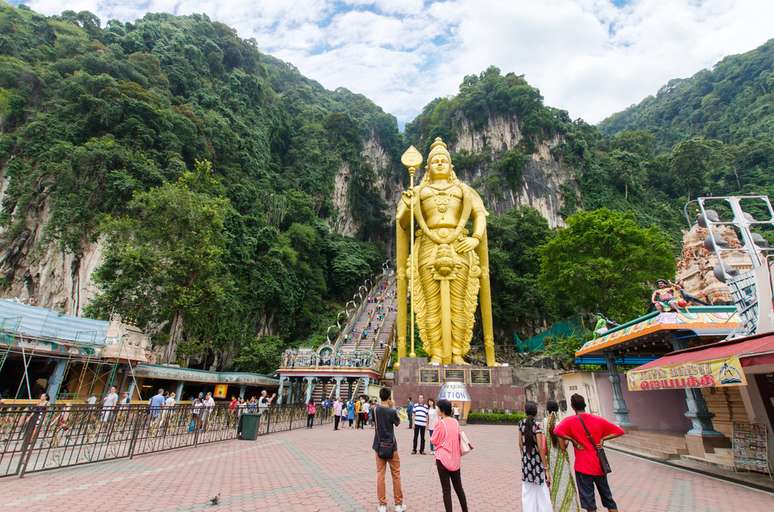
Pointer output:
x,y
350,412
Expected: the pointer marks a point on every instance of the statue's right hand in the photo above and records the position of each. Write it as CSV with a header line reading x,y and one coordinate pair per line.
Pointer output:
x,y
408,195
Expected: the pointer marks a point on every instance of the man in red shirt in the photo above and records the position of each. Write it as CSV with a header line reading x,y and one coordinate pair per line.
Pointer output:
x,y
588,470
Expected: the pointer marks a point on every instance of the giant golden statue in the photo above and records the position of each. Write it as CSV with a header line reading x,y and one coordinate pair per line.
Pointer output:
x,y
448,267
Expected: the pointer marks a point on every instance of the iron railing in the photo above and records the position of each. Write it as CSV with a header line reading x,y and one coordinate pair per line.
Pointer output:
x,y
34,438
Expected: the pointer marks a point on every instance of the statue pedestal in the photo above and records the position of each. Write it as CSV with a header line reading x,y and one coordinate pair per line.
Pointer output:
x,y
488,388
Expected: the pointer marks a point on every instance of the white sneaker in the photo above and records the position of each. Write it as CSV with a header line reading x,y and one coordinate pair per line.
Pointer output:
x,y
400,508
382,508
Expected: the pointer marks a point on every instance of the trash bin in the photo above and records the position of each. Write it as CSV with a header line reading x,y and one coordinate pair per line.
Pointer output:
x,y
248,426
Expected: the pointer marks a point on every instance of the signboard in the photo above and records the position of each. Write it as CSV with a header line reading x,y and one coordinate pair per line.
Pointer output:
x,y
455,376
480,376
221,390
716,373
454,392
750,447
429,375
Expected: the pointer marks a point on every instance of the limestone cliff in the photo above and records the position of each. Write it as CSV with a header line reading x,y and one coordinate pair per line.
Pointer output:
x,y
544,180
39,272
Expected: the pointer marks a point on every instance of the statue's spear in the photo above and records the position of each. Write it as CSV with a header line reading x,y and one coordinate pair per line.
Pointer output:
x,y
412,159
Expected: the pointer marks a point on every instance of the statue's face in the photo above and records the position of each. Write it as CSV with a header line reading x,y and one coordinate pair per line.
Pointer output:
x,y
440,167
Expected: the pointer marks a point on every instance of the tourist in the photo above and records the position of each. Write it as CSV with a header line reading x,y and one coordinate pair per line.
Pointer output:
x,y
109,403
535,477
208,405
350,412
432,420
410,412
336,414
124,399
448,457
456,411
92,400
578,429
252,405
364,409
265,401
155,404
241,406
311,410
563,495
386,448
420,424
358,404
233,405
196,413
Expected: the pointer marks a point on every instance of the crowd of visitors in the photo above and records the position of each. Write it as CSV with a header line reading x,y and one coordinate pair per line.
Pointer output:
x,y
548,482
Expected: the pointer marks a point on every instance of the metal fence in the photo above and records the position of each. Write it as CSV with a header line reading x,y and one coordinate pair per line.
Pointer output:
x,y
41,438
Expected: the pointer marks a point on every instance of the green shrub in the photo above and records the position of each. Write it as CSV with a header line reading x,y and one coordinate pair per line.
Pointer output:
x,y
496,418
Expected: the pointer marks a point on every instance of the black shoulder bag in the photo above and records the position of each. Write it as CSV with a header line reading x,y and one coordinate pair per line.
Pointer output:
x,y
601,455
384,449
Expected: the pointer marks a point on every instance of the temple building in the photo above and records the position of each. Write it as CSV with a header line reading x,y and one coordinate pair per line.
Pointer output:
x,y
700,383
73,358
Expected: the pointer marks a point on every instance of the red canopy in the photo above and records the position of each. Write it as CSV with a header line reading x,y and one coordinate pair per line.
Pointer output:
x,y
751,350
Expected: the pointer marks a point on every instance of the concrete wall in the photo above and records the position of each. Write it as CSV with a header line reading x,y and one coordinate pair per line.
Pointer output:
x,y
662,410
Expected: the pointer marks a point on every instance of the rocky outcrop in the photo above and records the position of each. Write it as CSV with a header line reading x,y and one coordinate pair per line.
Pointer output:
x,y
377,159
545,178
343,221
41,273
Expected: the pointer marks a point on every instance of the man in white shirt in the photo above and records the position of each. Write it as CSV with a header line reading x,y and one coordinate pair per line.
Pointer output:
x,y
364,409
265,401
108,403
209,405
420,424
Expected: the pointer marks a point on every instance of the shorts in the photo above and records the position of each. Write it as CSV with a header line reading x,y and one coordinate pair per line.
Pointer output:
x,y
586,485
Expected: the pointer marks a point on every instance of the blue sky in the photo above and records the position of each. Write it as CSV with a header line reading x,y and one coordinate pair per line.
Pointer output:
x,y
590,57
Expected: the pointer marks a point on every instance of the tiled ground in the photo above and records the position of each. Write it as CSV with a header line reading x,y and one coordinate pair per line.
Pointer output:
x,y
321,470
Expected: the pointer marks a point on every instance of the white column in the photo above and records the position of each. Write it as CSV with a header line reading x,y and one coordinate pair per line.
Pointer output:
x,y
338,387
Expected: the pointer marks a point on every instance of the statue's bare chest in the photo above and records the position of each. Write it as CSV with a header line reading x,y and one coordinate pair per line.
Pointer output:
x,y
441,206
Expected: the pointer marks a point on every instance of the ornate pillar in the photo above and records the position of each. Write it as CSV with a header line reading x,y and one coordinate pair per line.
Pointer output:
x,y
55,381
338,387
619,404
698,413
281,389
179,390
309,388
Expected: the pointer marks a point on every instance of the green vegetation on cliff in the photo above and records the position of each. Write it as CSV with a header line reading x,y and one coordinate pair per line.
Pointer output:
x,y
99,130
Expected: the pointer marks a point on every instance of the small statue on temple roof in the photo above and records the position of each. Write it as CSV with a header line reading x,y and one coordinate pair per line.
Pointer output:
x,y
668,296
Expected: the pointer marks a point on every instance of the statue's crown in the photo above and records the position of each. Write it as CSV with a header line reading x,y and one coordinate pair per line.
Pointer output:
x,y
438,147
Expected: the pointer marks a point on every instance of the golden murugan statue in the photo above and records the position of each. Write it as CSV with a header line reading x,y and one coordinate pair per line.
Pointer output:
x,y
450,266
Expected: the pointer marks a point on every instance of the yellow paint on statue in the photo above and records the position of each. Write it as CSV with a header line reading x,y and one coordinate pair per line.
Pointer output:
x,y
447,266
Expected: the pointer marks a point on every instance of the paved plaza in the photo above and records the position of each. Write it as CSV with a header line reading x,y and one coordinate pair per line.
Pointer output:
x,y
322,470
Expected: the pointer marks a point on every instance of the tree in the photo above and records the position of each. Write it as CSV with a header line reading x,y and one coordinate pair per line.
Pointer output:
x,y
604,261
692,161
163,259
262,355
514,259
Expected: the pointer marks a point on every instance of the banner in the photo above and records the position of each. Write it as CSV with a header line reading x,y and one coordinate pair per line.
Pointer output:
x,y
715,373
220,391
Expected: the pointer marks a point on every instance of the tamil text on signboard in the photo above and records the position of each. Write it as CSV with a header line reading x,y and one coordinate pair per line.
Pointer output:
x,y
702,374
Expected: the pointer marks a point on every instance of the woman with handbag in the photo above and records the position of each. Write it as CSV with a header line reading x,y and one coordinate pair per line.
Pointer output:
x,y
448,455
535,477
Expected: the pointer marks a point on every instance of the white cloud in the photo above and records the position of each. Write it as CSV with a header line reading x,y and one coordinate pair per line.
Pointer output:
x,y
587,56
